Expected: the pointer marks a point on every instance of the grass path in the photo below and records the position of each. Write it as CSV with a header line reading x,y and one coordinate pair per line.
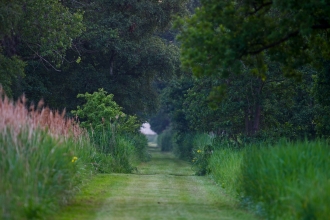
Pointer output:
x,y
164,188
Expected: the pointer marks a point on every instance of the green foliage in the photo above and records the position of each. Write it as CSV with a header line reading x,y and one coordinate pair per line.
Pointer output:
x,y
253,110
222,34
39,172
165,140
159,122
101,111
120,51
140,143
114,134
202,151
118,152
152,138
288,180
34,31
10,69
225,168
320,88
183,145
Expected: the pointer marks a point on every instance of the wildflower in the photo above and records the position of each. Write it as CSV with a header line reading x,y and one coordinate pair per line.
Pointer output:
x,y
199,151
74,159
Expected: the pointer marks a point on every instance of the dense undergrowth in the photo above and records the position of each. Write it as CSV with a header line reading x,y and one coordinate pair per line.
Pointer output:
x,y
45,158
278,180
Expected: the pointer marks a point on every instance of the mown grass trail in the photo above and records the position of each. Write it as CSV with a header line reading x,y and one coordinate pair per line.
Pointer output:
x,y
164,188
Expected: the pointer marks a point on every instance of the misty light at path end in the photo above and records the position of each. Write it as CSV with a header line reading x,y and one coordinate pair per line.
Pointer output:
x,y
145,129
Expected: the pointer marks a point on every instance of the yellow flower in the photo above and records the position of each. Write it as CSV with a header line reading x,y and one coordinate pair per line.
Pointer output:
x,y
74,159
199,151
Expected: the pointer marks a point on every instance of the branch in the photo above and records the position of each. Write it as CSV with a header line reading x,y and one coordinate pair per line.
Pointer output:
x,y
293,34
57,70
36,53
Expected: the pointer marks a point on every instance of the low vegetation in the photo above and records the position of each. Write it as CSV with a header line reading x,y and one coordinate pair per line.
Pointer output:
x,y
164,141
45,157
115,134
284,180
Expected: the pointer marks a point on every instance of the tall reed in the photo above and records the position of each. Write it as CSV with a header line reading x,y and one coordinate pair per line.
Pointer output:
x,y
43,158
289,180
119,151
225,168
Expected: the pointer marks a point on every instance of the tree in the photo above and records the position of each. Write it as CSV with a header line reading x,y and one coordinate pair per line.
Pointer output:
x,y
222,35
120,51
321,90
39,31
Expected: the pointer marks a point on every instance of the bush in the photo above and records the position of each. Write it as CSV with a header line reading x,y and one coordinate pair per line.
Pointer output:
x,y
140,143
115,134
165,140
100,111
183,145
202,150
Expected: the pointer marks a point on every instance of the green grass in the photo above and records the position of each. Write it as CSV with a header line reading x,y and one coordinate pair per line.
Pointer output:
x,y
289,180
164,188
38,173
225,166
43,158
119,152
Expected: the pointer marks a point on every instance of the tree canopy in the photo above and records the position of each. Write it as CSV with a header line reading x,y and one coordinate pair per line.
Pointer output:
x,y
57,49
223,36
39,31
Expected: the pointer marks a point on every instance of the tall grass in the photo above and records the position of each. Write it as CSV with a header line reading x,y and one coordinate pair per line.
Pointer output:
x,y
43,158
225,167
288,180
119,152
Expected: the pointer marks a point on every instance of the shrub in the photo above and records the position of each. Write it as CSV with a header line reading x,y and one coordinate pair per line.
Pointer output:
x,y
183,145
165,140
202,150
100,111
115,134
140,143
